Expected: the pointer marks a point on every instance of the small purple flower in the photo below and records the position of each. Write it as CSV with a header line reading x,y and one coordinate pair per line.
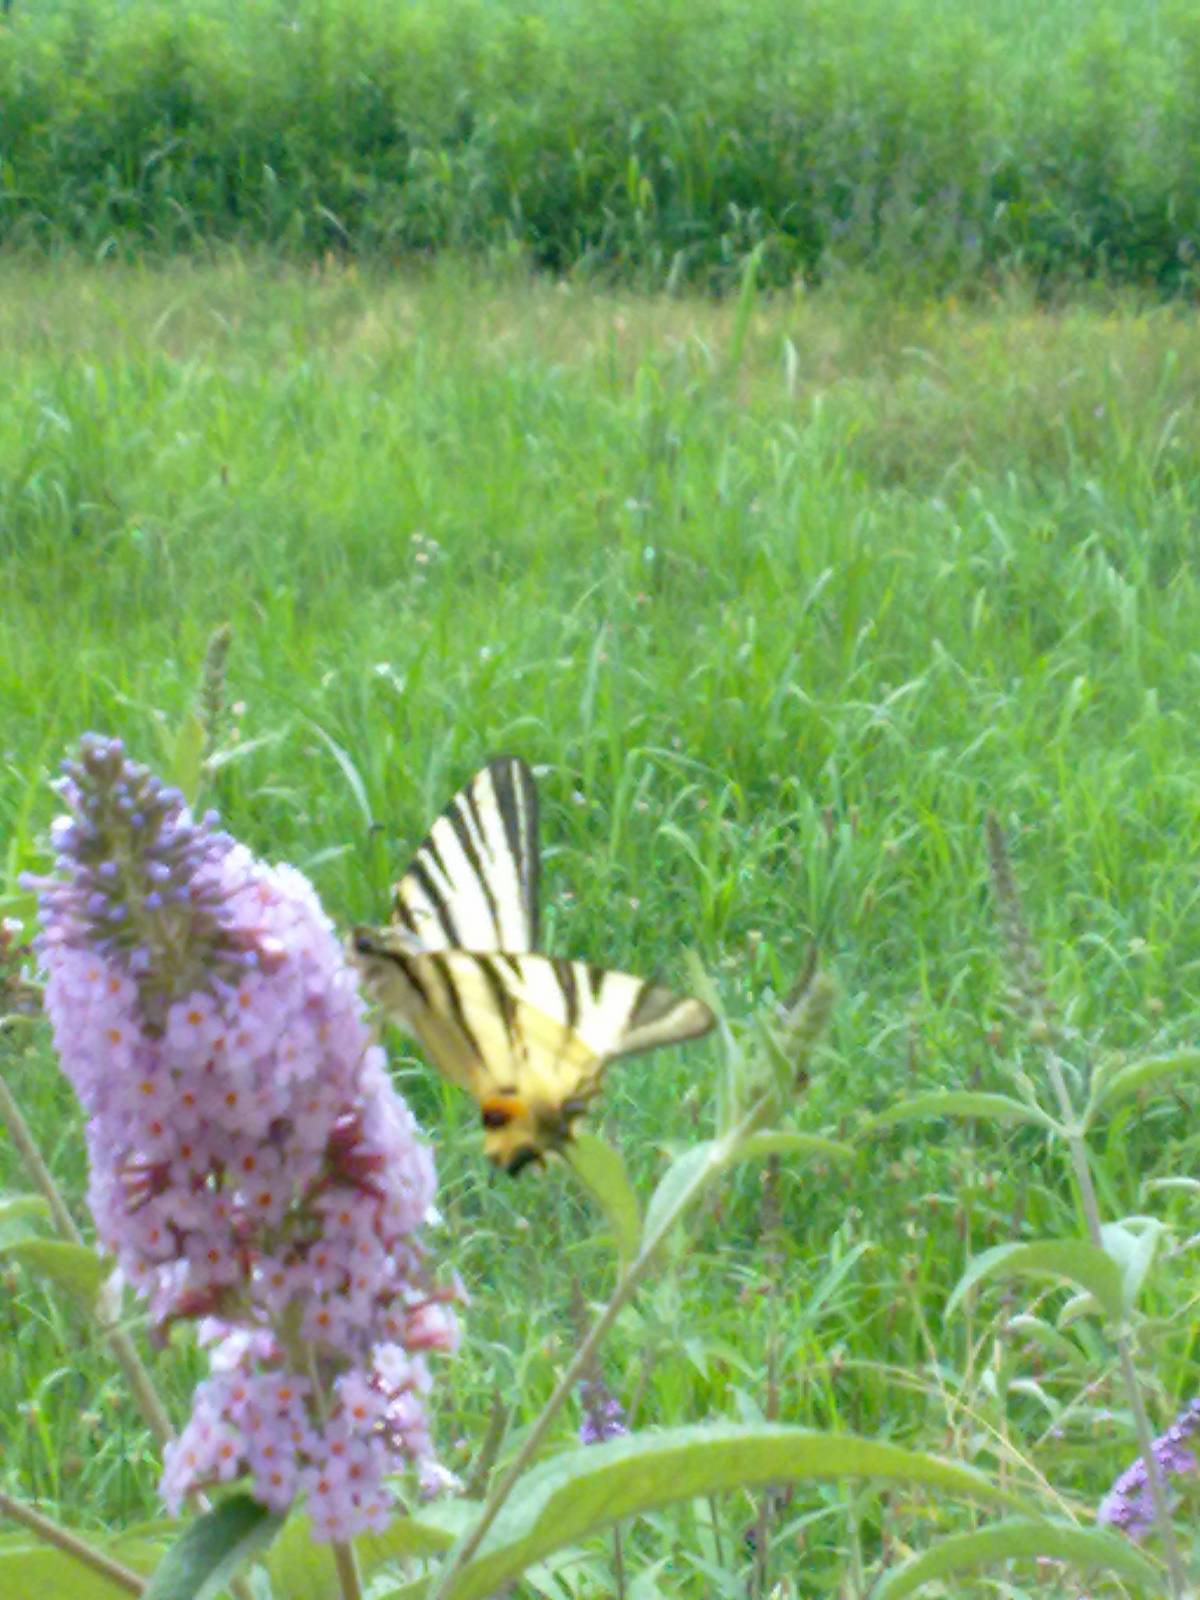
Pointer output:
x,y
603,1413
250,1163
1129,1505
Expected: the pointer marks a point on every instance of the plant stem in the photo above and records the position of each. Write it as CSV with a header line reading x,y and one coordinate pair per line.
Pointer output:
x,y
1133,1388
347,1571
618,1563
78,1549
119,1342
122,1346
721,1152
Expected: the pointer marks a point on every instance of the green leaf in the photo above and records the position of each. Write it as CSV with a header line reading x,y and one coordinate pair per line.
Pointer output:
x,y
199,1565
714,1155
1132,1248
22,1205
349,771
679,1177
585,1490
19,1216
185,755
1144,1074
31,1570
790,1142
1016,1538
1000,1108
1075,1259
601,1170
299,1569
74,1267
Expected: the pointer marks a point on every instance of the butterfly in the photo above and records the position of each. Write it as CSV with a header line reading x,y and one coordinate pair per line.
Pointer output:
x,y
457,967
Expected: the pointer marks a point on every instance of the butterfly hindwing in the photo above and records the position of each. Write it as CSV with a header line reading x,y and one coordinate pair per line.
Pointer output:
x,y
473,883
528,1035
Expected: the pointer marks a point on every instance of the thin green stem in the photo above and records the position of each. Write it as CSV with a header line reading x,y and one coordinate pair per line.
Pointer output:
x,y
347,1571
1133,1388
122,1346
119,1342
721,1153
71,1544
618,1563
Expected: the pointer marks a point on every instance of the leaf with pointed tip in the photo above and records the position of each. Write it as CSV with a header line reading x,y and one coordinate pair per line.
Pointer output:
x,y
689,1171
791,1142
601,1170
31,1570
1074,1259
1000,1108
20,1215
22,1205
1087,1548
199,1565
1147,1073
300,1569
349,771
74,1267
582,1491
185,753
684,1173
1132,1248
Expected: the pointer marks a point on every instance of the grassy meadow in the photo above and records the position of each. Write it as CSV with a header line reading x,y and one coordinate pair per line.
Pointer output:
x,y
647,141
780,594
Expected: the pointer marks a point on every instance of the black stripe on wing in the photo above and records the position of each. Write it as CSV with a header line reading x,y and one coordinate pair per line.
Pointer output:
x,y
462,803
517,802
419,873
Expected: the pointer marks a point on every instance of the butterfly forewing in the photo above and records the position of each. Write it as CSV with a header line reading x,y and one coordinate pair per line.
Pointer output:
x,y
528,1035
520,1023
474,882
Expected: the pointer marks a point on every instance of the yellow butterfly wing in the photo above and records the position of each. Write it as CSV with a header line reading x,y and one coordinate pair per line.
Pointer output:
x,y
528,1035
473,883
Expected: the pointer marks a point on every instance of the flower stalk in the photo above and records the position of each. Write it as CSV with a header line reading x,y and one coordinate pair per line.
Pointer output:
x,y
251,1167
1033,1002
804,1027
53,1533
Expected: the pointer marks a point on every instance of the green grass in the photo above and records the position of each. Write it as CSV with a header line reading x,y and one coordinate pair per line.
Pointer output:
x,y
781,596
656,141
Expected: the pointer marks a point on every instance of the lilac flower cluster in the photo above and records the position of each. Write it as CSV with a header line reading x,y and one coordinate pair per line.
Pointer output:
x,y
1128,1505
250,1163
603,1413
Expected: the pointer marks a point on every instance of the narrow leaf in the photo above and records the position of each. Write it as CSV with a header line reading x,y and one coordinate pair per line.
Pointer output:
x,y
185,756
20,1216
1132,1248
790,1142
1017,1538
583,1491
199,1565
1074,1259
601,1170
76,1268
300,1569
1147,1073
684,1171
30,1570
1000,1108
13,1206
349,771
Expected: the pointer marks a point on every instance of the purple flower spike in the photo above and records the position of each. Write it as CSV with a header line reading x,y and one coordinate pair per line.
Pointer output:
x,y
1129,1505
603,1413
250,1164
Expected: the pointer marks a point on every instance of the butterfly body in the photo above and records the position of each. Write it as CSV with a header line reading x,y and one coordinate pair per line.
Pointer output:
x,y
528,1035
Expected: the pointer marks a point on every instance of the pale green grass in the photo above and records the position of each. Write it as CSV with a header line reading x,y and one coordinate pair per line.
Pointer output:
x,y
781,599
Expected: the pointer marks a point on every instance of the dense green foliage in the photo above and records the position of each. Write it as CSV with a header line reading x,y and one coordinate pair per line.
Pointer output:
x,y
661,140
782,597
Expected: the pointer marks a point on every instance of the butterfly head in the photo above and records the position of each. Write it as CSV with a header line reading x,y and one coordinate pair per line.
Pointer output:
x,y
519,1133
